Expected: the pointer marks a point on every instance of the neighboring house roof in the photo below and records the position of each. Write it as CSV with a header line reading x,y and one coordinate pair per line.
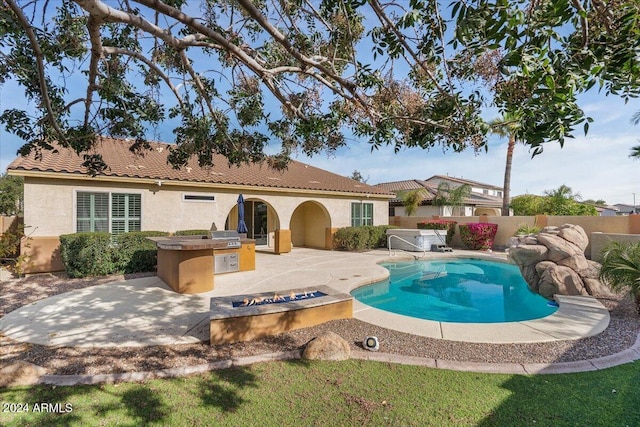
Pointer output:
x,y
624,208
153,165
465,181
408,185
474,199
600,208
604,209
484,200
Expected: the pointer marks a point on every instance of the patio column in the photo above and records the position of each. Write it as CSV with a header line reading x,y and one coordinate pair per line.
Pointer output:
x,y
541,221
328,237
282,241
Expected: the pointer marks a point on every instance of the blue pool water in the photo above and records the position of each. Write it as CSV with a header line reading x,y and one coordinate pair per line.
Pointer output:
x,y
456,290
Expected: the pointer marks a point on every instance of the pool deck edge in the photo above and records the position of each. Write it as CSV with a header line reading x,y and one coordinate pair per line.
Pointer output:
x,y
577,317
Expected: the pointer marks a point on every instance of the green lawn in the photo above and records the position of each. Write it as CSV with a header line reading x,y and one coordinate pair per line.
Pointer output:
x,y
300,393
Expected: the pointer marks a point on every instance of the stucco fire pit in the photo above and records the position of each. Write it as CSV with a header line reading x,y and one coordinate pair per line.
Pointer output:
x,y
245,317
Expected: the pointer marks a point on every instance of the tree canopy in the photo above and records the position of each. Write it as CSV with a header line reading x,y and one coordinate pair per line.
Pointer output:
x,y
451,196
232,76
11,194
560,201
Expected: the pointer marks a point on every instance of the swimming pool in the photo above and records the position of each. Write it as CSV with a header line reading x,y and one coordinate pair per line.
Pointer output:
x,y
461,290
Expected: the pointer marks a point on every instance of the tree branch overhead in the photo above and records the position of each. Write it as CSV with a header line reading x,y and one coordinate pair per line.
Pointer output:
x,y
241,76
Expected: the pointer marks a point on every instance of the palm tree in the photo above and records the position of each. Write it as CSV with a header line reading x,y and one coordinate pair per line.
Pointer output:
x,y
621,267
506,126
454,197
411,199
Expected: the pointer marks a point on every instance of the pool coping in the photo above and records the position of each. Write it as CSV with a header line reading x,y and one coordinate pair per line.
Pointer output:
x,y
577,316
119,314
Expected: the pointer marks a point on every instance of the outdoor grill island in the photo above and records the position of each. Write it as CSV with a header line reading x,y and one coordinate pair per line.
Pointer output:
x,y
188,263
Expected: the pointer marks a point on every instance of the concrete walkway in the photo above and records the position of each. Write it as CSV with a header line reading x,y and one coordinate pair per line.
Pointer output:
x,y
145,311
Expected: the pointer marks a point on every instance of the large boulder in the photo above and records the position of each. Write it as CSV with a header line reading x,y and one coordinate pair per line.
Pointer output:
x,y
556,264
20,373
531,276
576,262
328,346
592,271
558,247
576,235
529,254
563,280
596,288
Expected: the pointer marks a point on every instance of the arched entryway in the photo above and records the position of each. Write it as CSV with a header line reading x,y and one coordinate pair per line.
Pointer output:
x,y
261,219
487,211
309,223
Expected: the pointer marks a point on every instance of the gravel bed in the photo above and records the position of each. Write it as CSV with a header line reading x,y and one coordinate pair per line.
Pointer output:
x,y
620,335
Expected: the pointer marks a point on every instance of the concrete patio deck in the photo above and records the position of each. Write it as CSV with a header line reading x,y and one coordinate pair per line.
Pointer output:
x,y
143,312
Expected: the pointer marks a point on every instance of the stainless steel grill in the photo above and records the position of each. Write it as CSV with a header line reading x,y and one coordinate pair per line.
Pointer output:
x,y
231,237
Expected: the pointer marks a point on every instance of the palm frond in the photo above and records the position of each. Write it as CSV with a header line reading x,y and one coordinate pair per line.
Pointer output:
x,y
621,266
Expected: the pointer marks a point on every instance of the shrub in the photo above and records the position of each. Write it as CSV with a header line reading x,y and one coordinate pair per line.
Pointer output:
x,y
86,254
133,252
351,238
191,232
99,254
527,229
378,235
361,238
10,242
478,235
621,267
440,224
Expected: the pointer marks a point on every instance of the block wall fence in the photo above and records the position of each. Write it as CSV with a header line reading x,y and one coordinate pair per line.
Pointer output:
x,y
606,227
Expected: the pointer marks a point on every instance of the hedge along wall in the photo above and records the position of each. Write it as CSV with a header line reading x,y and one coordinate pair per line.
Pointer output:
x,y
361,238
507,225
99,254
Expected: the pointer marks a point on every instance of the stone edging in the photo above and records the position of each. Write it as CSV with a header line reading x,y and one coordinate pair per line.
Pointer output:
x,y
626,356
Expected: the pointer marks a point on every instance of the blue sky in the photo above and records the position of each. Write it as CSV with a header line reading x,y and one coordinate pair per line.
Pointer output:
x,y
596,166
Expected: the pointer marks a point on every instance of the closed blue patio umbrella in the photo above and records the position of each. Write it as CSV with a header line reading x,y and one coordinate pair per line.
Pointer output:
x,y
242,226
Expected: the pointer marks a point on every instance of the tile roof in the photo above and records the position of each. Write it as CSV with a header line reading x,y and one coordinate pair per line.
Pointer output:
x,y
153,165
474,199
466,181
408,185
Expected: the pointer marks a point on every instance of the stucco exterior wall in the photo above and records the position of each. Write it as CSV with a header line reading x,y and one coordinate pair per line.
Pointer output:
x,y
50,205
507,226
591,224
308,225
424,211
600,240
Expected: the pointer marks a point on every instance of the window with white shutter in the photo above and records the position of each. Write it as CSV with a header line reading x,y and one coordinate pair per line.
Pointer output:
x,y
92,212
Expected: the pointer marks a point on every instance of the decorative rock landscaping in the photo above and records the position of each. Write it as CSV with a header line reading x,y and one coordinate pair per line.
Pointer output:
x,y
328,346
553,262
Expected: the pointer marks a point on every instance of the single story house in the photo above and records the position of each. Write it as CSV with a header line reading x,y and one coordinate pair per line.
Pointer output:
x,y
143,192
607,210
624,209
483,199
